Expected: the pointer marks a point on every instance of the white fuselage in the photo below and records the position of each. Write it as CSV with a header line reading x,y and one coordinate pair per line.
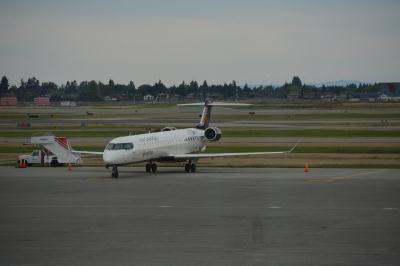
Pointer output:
x,y
153,146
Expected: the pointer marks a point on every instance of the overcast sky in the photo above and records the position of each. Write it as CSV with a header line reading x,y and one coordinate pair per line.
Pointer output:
x,y
251,41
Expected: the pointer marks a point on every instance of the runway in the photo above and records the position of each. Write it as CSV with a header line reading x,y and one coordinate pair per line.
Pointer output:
x,y
217,216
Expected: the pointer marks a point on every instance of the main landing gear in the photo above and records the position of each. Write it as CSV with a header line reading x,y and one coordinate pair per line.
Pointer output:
x,y
114,172
190,167
151,167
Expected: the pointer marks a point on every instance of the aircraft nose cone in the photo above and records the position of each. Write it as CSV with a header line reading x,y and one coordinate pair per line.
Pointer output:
x,y
107,157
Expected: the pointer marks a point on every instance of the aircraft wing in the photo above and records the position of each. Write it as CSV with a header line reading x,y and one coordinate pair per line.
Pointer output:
x,y
234,154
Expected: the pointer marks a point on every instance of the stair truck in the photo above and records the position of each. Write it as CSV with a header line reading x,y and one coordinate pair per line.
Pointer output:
x,y
54,151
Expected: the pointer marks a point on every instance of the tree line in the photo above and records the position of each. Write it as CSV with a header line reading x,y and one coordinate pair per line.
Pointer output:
x,y
98,91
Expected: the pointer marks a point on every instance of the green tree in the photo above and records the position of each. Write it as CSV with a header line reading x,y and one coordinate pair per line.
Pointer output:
x,y
33,89
296,81
159,87
29,89
131,90
71,90
145,89
182,89
48,88
4,85
204,89
88,91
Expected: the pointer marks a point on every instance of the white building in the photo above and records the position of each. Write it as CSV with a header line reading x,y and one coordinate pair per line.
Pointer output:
x,y
148,98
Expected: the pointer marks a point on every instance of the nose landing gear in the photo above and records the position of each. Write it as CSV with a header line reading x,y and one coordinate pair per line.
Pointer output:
x,y
114,172
151,167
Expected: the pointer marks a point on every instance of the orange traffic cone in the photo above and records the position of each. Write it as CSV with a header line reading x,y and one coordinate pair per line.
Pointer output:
x,y
306,168
20,164
23,163
69,167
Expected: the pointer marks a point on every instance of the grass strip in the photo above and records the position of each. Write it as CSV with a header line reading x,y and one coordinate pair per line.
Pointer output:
x,y
311,133
366,150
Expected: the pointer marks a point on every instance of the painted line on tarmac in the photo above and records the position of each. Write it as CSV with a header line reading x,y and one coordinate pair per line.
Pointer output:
x,y
121,207
331,180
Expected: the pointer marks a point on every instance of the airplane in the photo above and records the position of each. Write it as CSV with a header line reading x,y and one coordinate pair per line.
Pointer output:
x,y
170,145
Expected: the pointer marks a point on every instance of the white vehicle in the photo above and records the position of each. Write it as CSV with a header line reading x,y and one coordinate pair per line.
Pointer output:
x,y
38,157
169,145
55,151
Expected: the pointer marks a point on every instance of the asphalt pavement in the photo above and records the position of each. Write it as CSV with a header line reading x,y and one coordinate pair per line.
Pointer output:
x,y
217,216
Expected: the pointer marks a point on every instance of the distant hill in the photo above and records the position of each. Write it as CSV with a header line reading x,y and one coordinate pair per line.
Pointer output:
x,y
339,83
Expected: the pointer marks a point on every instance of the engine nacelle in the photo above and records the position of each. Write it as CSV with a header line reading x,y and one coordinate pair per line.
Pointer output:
x,y
213,133
168,128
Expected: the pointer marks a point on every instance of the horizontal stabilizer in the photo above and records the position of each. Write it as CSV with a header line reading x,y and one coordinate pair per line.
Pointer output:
x,y
207,106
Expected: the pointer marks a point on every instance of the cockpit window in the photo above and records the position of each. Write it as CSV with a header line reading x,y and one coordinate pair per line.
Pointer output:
x,y
119,146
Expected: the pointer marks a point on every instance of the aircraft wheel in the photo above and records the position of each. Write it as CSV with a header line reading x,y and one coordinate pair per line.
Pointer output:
x,y
187,168
154,167
114,172
193,168
148,167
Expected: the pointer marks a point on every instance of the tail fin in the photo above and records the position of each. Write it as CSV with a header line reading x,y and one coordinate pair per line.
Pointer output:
x,y
206,115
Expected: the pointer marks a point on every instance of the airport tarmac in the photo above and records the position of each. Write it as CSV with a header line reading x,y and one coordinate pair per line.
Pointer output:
x,y
217,216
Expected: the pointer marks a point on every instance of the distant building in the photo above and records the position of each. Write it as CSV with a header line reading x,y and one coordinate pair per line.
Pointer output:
x,y
162,97
309,94
327,95
340,97
189,96
110,99
8,101
384,98
148,98
367,97
174,98
68,104
41,101
294,92
215,96
390,89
